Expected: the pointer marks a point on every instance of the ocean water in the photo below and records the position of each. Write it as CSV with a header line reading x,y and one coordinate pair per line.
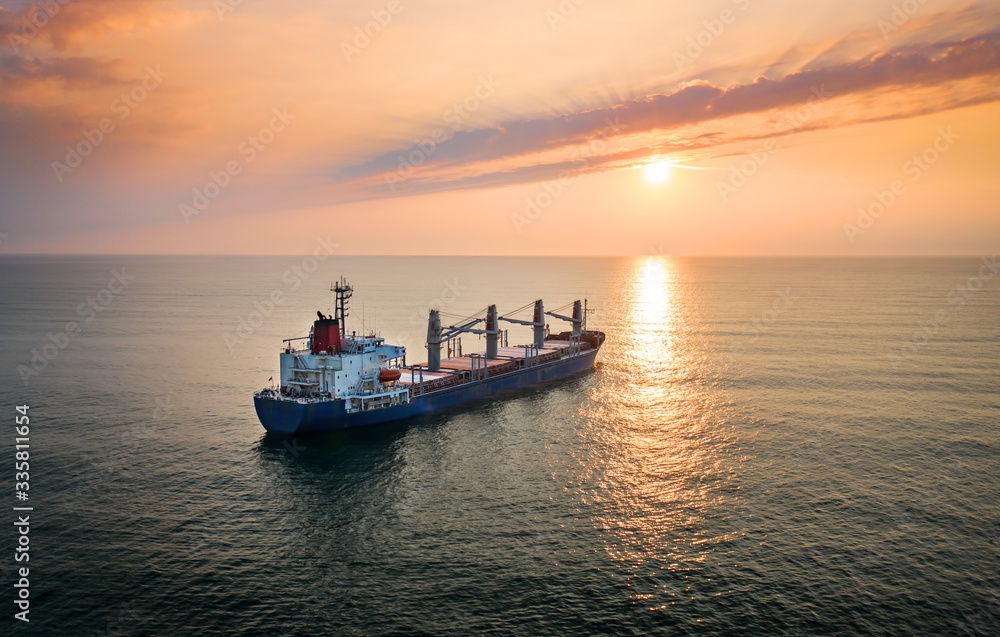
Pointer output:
x,y
766,446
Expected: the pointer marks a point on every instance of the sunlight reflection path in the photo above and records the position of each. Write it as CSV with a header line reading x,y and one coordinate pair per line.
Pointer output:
x,y
653,479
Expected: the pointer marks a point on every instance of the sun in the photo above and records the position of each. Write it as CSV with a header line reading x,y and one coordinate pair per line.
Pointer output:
x,y
657,172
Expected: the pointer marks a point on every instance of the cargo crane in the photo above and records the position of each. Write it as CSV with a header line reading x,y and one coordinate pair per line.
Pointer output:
x,y
437,335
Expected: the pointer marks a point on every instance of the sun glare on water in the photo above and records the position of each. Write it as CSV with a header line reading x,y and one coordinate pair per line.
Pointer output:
x,y
657,173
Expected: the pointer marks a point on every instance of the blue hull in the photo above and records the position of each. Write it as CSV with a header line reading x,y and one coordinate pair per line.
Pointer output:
x,y
290,417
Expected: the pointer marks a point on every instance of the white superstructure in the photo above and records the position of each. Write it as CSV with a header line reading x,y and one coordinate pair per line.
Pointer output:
x,y
352,373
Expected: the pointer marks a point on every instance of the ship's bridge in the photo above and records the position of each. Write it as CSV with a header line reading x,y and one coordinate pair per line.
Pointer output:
x,y
334,367
362,344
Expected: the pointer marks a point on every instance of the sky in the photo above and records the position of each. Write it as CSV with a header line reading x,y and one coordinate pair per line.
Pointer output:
x,y
572,127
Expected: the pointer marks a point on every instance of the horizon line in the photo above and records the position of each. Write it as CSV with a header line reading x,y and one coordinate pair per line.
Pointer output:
x,y
508,256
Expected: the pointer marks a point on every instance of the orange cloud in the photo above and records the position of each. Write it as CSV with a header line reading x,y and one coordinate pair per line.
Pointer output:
x,y
698,102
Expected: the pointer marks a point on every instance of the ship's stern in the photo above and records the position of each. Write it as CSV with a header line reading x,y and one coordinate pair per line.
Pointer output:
x,y
279,415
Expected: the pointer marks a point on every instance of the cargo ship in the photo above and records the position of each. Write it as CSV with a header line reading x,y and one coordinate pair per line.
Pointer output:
x,y
333,379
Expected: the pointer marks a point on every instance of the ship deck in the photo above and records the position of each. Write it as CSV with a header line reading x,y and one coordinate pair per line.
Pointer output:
x,y
458,369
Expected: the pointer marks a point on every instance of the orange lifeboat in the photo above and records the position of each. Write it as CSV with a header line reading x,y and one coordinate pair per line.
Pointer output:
x,y
386,374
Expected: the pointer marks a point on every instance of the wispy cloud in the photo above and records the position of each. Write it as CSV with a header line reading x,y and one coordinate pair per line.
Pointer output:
x,y
73,71
66,24
697,102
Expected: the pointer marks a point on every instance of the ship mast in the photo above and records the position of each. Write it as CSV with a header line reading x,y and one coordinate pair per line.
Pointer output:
x,y
344,292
